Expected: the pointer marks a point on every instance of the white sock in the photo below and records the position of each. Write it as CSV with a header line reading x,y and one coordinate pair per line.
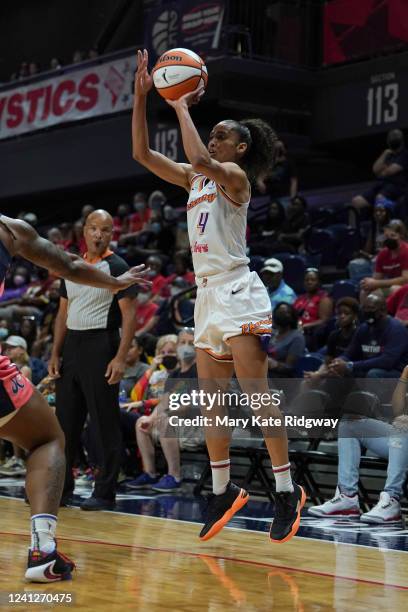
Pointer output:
x,y
283,477
43,527
220,475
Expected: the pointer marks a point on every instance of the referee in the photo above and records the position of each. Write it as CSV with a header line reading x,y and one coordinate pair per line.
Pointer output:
x,y
93,355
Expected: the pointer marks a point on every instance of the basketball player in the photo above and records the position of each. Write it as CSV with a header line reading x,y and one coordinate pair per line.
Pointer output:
x,y
232,311
25,417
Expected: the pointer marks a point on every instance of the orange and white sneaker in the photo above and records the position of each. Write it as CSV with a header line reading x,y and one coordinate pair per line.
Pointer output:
x,y
221,509
43,567
288,506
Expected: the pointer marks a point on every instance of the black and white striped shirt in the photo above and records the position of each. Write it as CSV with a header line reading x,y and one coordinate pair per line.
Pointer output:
x,y
94,308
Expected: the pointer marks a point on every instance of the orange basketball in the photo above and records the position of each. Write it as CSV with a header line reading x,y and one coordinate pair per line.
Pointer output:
x,y
177,72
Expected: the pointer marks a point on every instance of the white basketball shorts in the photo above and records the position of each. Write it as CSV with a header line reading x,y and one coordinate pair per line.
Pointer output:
x,y
230,304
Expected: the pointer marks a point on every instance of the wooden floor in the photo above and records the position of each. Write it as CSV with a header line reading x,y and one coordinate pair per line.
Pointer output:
x,y
127,562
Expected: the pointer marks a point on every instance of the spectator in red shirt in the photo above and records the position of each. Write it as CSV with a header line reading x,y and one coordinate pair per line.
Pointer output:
x,y
145,311
160,286
391,268
121,221
141,215
397,304
314,309
181,262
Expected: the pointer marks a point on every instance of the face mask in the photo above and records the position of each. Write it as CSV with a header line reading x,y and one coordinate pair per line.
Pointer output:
x,y
282,319
3,333
139,207
155,228
169,362
391,243
186,352
370,317
19,280
142,298
394,143
151,274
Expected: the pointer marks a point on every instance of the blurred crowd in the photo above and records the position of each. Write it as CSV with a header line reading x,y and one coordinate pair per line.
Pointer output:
x,y
32,68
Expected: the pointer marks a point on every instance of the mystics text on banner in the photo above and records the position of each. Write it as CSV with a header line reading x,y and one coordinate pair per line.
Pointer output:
x,y
79,94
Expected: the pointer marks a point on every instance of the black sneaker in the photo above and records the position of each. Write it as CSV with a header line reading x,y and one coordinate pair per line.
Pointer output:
x,y
221,508
43,567
97,503
287,514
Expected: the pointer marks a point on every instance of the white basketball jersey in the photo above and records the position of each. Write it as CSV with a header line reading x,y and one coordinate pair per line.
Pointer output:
x,y
216,228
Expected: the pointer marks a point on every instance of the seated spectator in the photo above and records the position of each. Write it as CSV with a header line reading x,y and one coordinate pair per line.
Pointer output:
x,y
15,347
152,427
347,319
134,369
93,53
389,441
121,222
379,348
287,344
391,266
315,308
78,56
390,170
264,233
397,305
363,263
28,329
54,235
272,277
181,261
55,64
145,311
297,222
141,215
86,210
33,68
282,181
4,330
159,287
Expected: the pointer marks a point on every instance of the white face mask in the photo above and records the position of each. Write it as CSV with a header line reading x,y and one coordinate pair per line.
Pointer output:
x,y
186,352
142,298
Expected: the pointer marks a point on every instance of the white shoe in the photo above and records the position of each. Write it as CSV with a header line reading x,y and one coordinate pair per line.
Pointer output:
x,y
340,506
387,510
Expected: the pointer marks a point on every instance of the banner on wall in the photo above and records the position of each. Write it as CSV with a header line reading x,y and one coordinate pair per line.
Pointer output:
x,y
102,89
185,23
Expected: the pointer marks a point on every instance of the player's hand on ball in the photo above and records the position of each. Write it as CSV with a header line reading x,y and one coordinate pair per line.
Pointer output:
x,y
193,97
143,80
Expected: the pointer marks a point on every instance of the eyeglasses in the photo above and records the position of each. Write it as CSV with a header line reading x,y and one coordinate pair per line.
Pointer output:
x,y
187,330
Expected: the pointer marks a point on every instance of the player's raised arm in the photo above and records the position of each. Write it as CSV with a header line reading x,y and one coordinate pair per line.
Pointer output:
x,y
162,166
41,252
226,173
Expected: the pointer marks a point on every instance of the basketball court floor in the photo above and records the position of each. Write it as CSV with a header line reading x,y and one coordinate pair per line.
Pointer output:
x,y
146,556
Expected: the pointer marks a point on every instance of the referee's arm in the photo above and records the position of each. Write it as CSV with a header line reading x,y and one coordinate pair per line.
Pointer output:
x,y
116,367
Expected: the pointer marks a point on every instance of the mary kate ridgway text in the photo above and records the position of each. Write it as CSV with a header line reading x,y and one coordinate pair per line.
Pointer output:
x,y
253,421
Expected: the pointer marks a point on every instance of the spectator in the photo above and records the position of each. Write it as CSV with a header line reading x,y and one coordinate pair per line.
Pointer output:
x,y
93,53
86,210
182,309
159,281
134,368
54,235
391,267
33,68
29,330
363,264
287,344
78,57
390,170
379,348
397,305
291,237
55,64
265,233
145,311
389,441
283,180
315,309
272,277
181,262
121,222
347,317
15,347
151,427
23,70
78,245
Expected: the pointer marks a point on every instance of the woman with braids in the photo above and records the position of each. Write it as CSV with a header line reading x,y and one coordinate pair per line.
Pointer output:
x,y
232,311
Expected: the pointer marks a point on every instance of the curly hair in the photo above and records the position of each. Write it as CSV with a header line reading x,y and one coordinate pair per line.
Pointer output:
x,y
260,139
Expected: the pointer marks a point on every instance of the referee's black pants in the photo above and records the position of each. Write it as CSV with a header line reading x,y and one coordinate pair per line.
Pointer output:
x,y
82,388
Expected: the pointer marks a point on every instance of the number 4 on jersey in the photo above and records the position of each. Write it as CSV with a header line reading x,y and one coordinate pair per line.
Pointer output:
x,y
202,222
